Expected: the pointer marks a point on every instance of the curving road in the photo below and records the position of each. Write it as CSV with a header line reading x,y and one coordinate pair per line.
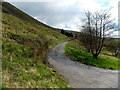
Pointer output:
x,y
79,75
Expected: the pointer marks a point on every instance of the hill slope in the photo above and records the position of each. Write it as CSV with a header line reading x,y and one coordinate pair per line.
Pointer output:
x,y
25,43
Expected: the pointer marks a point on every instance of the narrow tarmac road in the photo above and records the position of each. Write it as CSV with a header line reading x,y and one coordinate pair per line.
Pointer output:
x,y
79,75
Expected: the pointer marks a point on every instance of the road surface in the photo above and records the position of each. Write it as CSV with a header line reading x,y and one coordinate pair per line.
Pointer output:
x,y
80,75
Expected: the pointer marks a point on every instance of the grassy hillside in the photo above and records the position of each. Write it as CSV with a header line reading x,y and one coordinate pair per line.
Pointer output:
x,y
25,43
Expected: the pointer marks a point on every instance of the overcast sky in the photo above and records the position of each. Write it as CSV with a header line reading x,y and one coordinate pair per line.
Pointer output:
x,y
64,14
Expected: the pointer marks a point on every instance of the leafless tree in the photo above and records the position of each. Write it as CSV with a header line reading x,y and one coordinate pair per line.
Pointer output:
x,y
95,27
111,45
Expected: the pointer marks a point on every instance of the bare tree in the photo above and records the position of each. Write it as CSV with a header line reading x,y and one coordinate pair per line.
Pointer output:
x,y
111,45
94,30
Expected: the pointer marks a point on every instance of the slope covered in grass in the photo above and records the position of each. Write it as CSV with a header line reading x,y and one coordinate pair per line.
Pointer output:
x,y
77,52
25,43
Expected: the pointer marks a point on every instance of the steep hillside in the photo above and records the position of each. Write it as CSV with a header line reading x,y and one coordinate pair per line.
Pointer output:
x,y
25,43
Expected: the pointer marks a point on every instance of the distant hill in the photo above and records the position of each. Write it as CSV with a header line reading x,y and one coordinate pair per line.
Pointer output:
x,y
25,43
10,9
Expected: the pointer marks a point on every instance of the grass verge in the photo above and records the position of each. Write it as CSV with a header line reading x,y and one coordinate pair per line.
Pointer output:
x,y
78,53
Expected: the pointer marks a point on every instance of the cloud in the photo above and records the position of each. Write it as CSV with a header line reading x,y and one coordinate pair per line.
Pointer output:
x,y
65,14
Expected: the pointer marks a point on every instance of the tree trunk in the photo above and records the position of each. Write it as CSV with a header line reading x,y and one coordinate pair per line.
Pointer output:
x,y
95,56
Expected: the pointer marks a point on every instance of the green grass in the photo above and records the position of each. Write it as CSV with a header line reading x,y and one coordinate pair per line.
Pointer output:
x,y
25,43
21,69
75,52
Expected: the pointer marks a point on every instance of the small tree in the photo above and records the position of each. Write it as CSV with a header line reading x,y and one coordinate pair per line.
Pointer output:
x,y
93,31
112,46
62,31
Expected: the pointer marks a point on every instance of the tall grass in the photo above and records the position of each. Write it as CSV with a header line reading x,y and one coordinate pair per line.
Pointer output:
x,y
25,43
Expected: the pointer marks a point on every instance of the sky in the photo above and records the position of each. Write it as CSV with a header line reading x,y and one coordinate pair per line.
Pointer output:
x,y
65,14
